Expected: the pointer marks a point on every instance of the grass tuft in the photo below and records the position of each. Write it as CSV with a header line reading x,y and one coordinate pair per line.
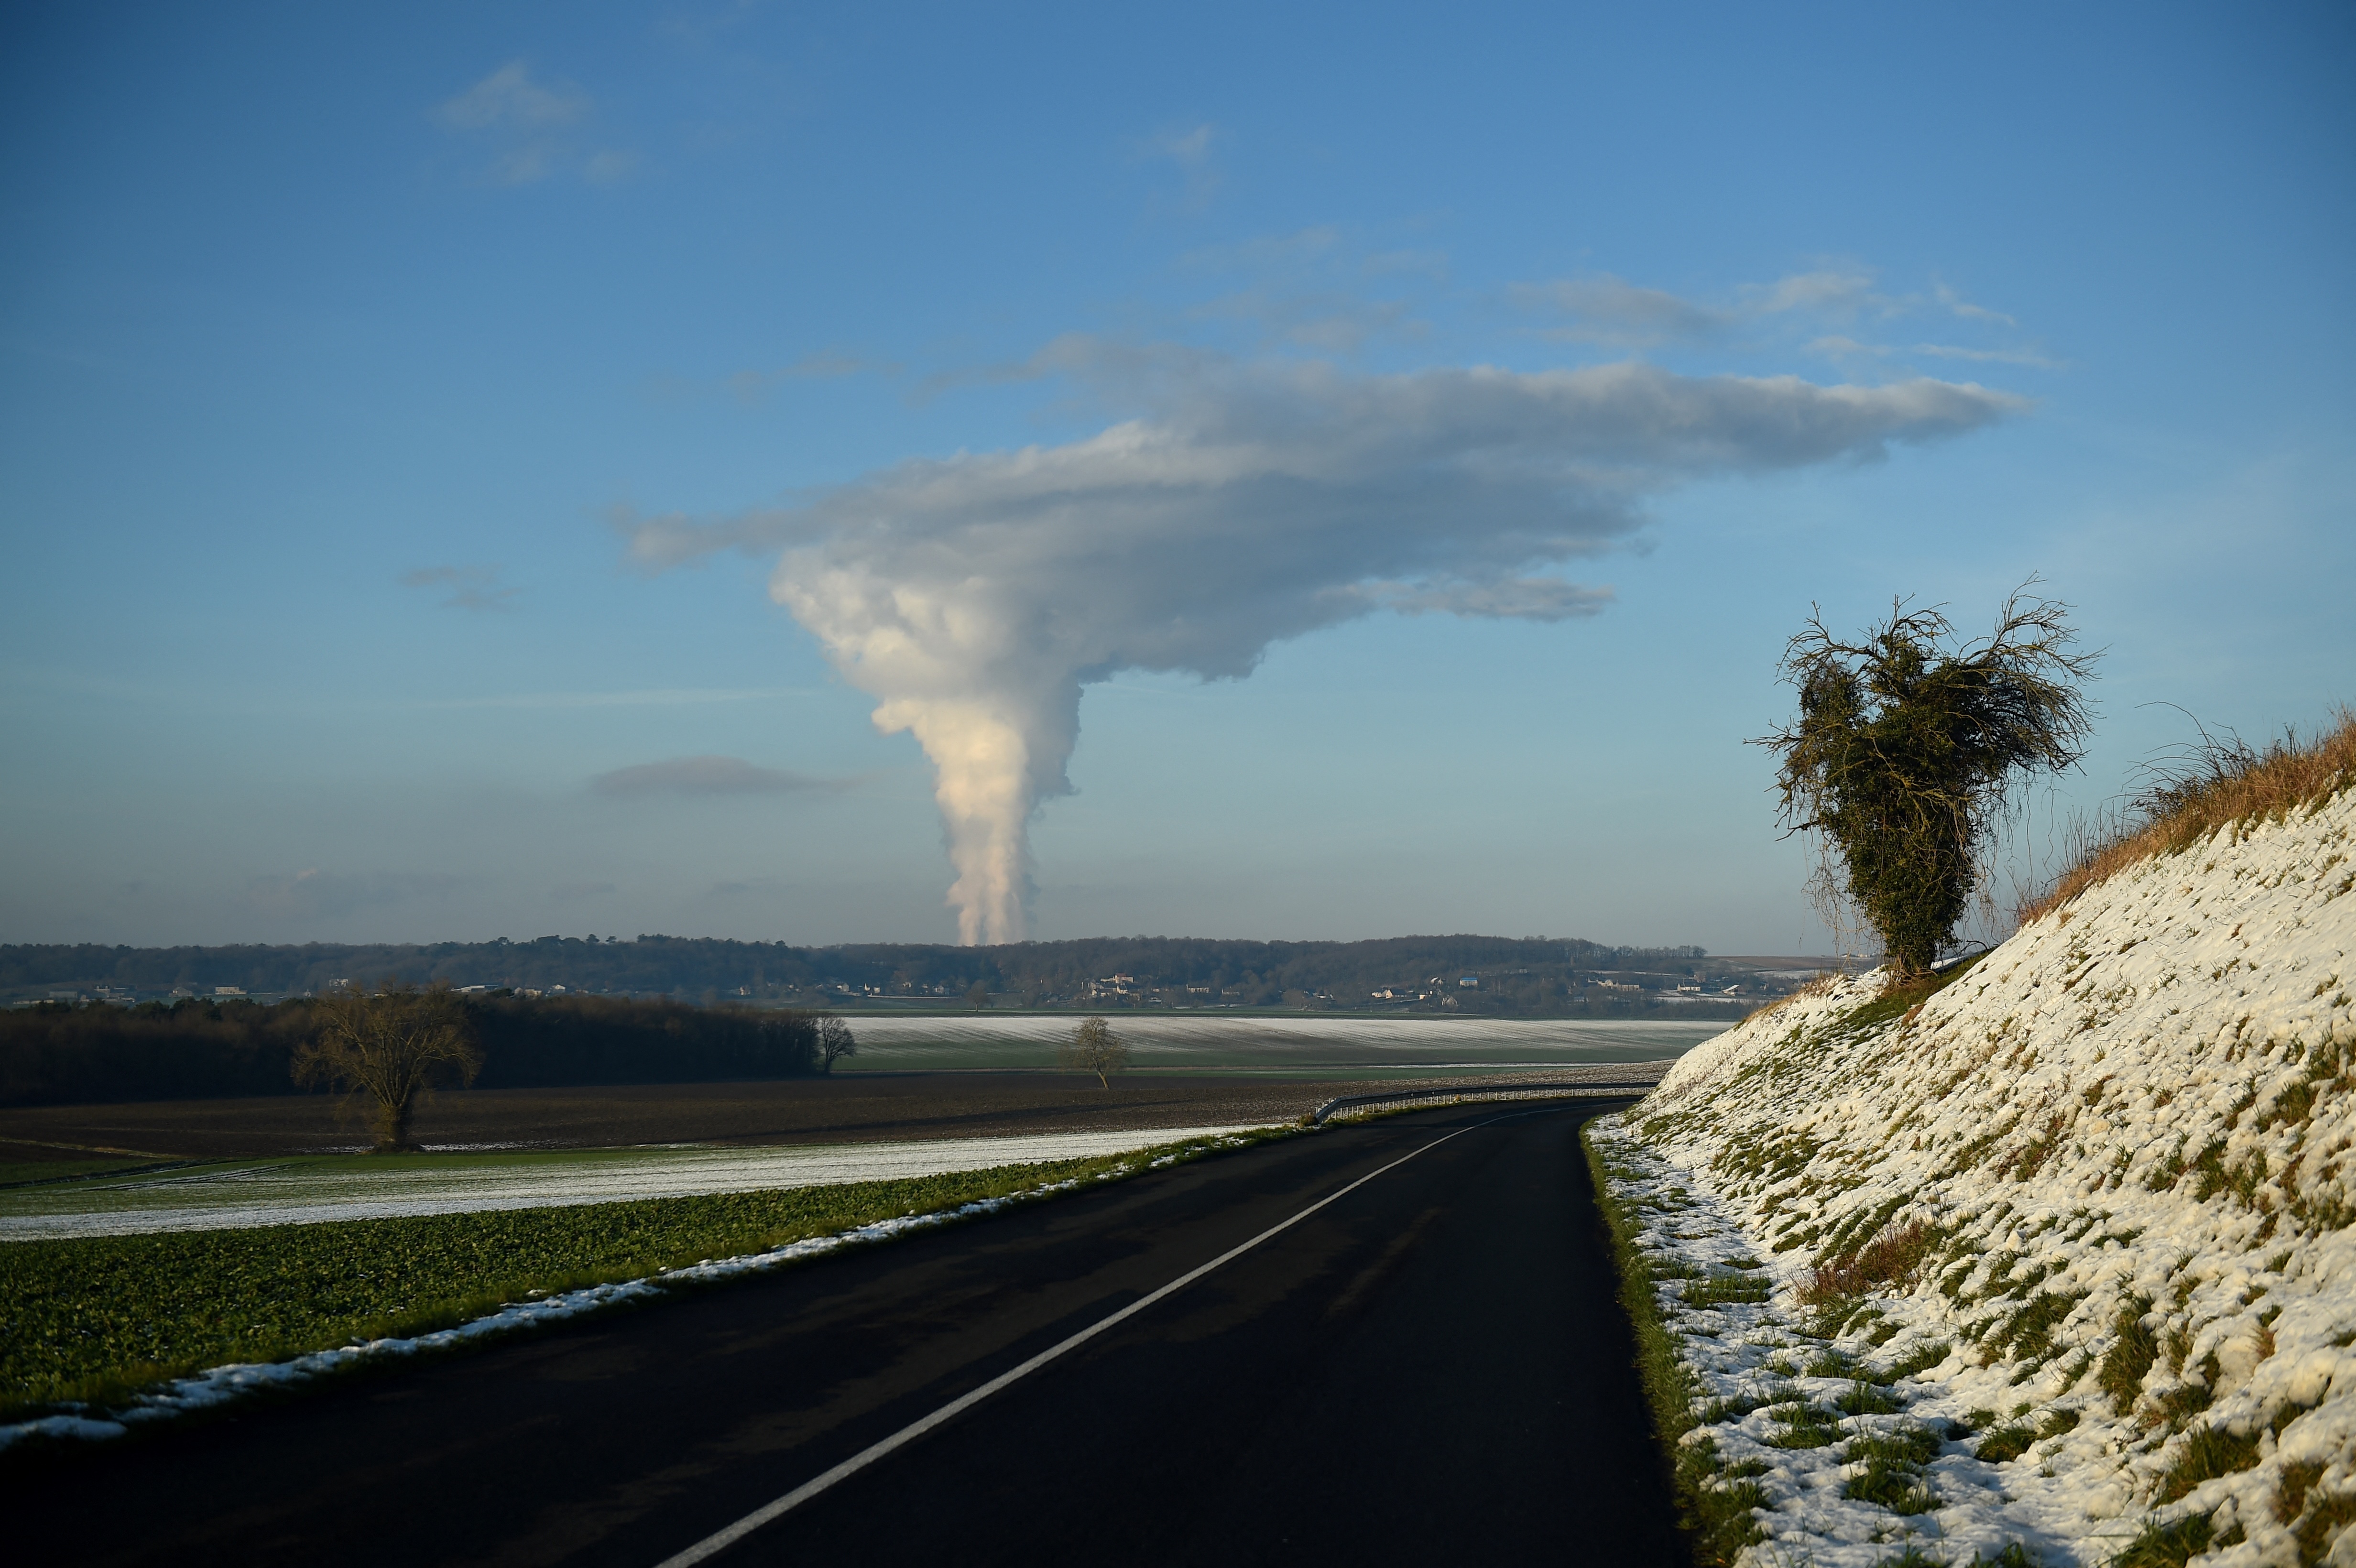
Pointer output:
x,y
1893,1462
1892,1258
1715,1504
2221,785
2168,1545
2006,1443
2208,1453
1720,1288
2327,1519
1901,1491
1803,1425
1862,1398
1921,1359
2128,1361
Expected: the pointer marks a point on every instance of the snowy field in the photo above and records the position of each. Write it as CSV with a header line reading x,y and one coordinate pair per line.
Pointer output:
x,y
1166,1041
2127,1137
217,1386
345,1186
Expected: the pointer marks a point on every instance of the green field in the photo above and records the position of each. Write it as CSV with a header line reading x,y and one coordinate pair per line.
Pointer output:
x,y
29,1172
95,1318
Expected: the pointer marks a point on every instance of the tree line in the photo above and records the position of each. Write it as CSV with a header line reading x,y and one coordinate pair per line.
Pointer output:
x,y
55,1054
1258,974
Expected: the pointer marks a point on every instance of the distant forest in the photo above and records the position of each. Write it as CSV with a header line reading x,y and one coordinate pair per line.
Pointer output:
x,y
55,1054
1525,977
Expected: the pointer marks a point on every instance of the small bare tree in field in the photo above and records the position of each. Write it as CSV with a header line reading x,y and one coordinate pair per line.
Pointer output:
x,y
1093,1048
392,1046
834,1042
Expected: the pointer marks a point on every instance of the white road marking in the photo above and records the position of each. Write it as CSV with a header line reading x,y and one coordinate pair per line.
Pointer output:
x,y
721,1540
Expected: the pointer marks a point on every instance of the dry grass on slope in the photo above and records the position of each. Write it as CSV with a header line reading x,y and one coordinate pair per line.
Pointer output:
x,y
2224,785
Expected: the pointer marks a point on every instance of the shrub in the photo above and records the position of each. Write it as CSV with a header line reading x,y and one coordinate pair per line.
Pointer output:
x,y
1905,749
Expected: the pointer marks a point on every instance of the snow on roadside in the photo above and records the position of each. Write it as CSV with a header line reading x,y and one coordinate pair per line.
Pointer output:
x,y
2092,1200
219,1385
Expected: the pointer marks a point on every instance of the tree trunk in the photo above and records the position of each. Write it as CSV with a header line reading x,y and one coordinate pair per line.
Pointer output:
x,y
393,1120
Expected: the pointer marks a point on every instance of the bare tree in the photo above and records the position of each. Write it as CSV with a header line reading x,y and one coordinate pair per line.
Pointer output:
x,y
390,1046
978,997
1093,1048
834,1042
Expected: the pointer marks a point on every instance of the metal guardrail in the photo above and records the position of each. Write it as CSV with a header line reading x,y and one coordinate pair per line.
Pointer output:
x,y
1461,1094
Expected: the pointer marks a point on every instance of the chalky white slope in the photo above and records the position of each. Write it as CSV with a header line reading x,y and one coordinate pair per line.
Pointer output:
x,y
2125,1133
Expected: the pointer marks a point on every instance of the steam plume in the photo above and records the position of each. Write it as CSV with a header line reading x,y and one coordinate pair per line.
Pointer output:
x,y
973,596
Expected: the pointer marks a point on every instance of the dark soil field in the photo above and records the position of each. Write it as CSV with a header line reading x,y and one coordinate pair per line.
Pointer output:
x,y
848,1108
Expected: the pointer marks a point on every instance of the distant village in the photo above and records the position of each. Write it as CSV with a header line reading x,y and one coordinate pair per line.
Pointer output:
x,y
1531,977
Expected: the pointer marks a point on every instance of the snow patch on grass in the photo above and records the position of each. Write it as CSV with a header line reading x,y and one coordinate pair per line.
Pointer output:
x,y
315,1190
219,1385
2056,1253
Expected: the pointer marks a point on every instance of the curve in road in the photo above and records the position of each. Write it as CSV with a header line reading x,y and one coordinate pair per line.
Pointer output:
x,y
1389,1342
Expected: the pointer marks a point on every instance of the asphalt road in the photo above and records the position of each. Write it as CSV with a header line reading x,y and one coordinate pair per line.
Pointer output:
x,y
1432,1368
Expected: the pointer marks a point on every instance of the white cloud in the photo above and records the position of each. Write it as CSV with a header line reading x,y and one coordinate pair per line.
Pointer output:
x,y
1836,347
707,776
1822,290
975,595
509,97
1324,323
751,386
1266,251
610,167
1956,305
1986,355
526,128
1191,152
1609,310
464,587
1432,264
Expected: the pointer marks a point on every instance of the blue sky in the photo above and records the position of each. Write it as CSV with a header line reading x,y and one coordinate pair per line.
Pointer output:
x,y
452,461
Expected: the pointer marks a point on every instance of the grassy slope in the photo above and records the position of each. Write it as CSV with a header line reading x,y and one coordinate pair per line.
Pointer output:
x,y
2093,1197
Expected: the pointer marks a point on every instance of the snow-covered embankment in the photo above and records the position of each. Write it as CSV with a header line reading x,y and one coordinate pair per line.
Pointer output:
x,y
2091,1201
